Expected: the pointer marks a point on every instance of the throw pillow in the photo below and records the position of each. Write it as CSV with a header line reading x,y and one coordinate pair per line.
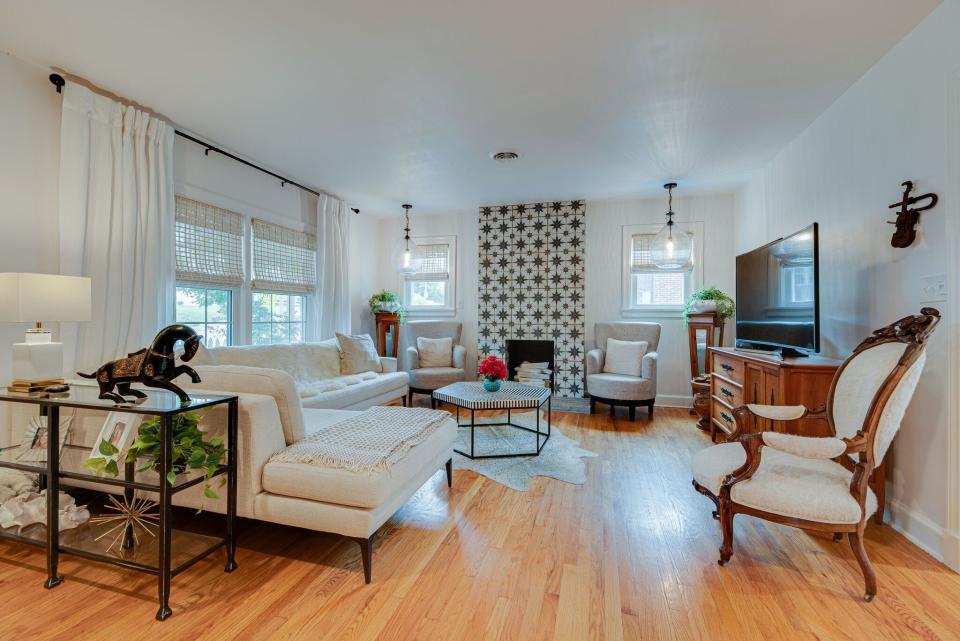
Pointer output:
x,y
358,354
435,352
624,357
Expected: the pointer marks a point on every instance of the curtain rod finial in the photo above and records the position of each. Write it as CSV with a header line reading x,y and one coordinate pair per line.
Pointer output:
x,y
58,81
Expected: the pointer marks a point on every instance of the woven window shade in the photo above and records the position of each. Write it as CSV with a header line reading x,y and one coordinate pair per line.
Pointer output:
x,y
436,262
641,259
283,259
209,243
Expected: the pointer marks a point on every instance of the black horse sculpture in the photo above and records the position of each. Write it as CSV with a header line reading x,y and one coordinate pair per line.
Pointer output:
x,y
154,366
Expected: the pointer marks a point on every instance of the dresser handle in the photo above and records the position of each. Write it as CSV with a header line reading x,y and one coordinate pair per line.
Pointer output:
x,y
726,417
726,368
726,392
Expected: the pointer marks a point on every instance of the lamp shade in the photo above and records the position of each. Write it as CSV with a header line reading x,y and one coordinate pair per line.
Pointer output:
x,y
29,298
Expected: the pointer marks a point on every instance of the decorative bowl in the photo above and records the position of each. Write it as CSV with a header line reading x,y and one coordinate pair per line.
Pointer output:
x,y
491,386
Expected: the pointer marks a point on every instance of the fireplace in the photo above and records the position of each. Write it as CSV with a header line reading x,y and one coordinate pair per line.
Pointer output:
x,y
533,351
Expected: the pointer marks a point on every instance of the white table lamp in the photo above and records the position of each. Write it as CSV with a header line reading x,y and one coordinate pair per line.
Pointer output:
x,y
33,298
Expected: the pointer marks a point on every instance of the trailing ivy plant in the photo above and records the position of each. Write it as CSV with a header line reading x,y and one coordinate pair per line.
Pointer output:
x,y
725,304
387,301
190,451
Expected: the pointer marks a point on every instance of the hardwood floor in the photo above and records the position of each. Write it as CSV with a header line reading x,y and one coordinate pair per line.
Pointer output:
x,y
629,555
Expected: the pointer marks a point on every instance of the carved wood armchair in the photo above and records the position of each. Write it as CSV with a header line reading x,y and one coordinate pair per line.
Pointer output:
x,y
820,483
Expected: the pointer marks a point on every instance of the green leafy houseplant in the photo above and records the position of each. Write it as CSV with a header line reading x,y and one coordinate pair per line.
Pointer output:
x,y
387,301
190,451
725,304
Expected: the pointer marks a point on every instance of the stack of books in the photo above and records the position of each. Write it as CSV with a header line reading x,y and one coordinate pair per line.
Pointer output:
x,y
534,374
32,388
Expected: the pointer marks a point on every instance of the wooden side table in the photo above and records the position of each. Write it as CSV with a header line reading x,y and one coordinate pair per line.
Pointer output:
x,y
703,325
387,322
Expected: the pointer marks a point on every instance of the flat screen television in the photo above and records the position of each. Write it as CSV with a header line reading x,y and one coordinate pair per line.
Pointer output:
x,y
778,295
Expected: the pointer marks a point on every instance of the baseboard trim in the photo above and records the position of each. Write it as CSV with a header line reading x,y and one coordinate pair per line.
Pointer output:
x,y
951,550
925,534
674,400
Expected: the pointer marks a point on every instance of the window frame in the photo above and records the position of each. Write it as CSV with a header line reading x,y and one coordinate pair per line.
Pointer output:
x,y
433,311
305,322
693,277
233,329
242,293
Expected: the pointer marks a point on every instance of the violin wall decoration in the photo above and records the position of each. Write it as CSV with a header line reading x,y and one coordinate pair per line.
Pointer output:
x,y
908,218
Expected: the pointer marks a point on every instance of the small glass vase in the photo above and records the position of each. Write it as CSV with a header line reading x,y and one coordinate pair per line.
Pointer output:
x,y
491,385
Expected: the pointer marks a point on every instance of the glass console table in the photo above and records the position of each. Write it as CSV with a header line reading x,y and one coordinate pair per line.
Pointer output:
x,y
170,552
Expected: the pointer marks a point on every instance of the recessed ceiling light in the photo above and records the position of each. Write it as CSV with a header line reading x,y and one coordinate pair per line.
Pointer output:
x,y
504,156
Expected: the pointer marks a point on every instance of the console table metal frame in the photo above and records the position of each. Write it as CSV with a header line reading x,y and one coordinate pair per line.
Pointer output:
x,y
50,475
535,403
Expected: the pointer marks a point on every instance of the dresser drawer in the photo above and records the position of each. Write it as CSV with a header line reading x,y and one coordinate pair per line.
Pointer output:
x,y
722,416
726,391
731,368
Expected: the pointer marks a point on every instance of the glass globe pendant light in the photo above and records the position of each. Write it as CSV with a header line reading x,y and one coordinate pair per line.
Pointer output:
x,y
671,248
407,257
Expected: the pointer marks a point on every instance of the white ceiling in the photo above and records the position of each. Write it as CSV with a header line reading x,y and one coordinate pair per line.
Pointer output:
x,y
389,101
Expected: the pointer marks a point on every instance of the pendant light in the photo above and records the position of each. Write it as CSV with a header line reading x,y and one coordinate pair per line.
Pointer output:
x,y
407,257
671,248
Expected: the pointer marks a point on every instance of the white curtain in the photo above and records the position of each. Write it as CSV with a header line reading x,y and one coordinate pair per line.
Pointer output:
x,y
332,302
116,224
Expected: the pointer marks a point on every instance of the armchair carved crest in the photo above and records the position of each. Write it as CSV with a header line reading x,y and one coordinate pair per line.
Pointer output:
x,y
820,483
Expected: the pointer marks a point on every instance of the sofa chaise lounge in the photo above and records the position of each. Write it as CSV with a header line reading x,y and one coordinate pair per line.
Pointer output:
x,y
311,496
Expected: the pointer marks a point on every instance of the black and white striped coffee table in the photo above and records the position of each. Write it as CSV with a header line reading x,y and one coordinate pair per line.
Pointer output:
x,y
511,396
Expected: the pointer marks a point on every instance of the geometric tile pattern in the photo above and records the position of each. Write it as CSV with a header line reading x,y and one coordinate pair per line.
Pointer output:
x,y
531,278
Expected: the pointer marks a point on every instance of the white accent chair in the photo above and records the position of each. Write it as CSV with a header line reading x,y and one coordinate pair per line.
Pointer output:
x,y
821,483
621,389
423,380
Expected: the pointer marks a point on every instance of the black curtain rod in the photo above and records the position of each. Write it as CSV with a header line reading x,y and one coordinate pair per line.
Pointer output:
x,y
59,82
209,148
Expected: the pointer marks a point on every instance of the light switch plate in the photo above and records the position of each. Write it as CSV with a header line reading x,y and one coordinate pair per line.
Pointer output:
x,y
933,288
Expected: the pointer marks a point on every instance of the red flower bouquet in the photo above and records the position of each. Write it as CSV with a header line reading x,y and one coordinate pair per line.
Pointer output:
x,y
492,368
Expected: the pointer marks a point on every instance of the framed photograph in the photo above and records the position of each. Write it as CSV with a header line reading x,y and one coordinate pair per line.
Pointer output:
x,y
119,430
33,447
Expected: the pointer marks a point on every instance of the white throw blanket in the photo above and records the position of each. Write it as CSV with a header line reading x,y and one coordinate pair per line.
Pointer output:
x,y
371,441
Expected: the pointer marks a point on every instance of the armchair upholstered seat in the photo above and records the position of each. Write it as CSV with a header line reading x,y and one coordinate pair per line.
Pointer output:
x,y
423,380
821,483
617,388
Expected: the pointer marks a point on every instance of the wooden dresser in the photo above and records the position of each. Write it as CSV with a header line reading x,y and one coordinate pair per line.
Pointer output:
x,y
738,377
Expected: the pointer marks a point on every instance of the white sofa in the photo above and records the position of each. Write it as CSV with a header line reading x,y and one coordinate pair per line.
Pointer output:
x,y
315,369
307,495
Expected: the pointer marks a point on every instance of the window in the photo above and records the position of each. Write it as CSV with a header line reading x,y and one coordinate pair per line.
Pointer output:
x,y
242,280
278,318
647,289
209,263
431,290
207,310
285,264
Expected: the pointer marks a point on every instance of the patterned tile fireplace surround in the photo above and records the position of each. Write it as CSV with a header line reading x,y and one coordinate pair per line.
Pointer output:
x,y
531,283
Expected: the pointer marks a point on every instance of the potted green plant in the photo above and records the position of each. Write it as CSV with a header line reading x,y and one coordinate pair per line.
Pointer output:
x,y
710,299
190,451
387,301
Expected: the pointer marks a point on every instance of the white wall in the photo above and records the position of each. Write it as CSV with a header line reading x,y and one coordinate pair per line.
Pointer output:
x,y
605,220
29,173
365,269
465,226
842,172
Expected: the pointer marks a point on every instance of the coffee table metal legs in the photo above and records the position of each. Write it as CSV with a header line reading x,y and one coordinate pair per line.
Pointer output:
x,y
509,423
